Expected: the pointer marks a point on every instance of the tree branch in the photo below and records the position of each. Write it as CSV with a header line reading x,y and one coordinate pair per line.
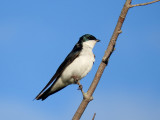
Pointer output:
x,y
104,63
105,60
141,4
94,116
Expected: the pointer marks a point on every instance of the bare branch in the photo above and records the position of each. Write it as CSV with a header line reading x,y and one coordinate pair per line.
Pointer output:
x,y
94,116
105,59
141,4
104,63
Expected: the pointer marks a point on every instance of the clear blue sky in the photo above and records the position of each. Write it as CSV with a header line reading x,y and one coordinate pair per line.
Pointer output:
x,y
36,36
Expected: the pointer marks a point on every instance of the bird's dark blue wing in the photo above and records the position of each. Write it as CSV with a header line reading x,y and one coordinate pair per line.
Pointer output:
x,y
69,59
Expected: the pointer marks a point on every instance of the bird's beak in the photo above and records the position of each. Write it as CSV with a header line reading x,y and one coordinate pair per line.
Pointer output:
x,y
97,40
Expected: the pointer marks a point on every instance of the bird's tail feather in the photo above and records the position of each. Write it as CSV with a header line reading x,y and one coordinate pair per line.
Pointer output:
x,y
47,93
44,95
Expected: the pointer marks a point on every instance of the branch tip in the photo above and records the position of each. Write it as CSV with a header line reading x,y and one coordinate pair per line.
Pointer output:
x,y
142,4
94,116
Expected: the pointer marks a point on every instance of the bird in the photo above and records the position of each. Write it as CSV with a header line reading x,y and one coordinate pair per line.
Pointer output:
x,y
75,66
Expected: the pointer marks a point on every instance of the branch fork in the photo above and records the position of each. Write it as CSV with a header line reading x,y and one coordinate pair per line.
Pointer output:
x,y
85,95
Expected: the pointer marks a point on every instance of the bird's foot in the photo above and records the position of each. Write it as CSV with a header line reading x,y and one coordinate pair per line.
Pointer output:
x,y
80,87
77,81
85,95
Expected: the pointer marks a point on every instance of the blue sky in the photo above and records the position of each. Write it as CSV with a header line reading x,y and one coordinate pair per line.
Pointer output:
x,y
36,36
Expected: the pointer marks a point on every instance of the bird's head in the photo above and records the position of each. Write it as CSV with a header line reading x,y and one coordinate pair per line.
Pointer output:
x,y
88,39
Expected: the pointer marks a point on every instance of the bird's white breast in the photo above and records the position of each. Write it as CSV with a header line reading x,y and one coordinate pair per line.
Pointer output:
x,y
79,67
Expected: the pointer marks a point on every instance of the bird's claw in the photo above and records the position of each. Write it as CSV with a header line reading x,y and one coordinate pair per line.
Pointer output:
x,y
85,95
80,87
76,79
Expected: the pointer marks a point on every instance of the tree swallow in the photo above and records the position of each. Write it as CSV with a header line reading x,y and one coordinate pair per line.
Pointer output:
x,y
75,66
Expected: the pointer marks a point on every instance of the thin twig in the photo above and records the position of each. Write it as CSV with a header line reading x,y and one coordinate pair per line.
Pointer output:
x,y
141,4
94,116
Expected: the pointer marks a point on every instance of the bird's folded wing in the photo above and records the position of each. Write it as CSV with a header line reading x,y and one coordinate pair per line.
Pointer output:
x,y
69,59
